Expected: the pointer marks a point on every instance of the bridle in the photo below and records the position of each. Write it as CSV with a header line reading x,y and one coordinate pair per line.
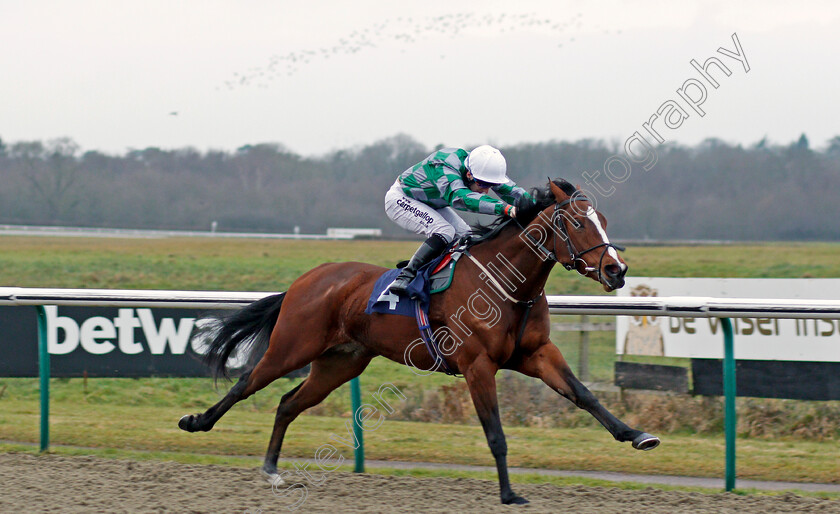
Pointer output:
x,y
574,255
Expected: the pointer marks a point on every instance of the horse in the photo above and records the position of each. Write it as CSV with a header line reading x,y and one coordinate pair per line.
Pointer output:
x,y
320,320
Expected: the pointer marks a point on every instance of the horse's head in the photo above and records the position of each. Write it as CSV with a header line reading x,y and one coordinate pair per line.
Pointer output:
x,y
580,240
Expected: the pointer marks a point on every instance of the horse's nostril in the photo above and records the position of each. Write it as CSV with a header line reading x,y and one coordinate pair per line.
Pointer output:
x,y
612,270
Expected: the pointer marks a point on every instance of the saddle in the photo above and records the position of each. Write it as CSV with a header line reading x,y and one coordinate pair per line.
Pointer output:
x,y
433,278
440,277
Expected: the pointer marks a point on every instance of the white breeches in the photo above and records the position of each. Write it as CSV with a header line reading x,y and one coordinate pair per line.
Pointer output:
x,y
420,218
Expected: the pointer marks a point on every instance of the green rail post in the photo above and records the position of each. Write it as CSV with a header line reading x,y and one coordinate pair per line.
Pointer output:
x,y
356,400
44,377
730,421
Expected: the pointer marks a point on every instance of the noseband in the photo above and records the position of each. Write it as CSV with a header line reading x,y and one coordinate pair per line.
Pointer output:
x,y
574,255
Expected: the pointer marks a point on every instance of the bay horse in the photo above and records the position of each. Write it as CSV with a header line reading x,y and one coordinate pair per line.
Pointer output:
x,y
320,320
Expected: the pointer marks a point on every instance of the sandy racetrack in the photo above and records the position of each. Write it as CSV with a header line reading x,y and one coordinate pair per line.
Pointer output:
x,y
90,484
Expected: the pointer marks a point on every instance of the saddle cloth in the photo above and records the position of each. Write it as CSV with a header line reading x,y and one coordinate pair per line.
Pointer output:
x,y
431,278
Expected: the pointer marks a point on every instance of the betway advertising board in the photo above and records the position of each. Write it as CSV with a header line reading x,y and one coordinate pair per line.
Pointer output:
x,y
815,340
102,342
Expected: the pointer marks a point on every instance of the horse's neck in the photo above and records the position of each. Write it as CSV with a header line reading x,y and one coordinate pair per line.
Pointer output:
x,y
515,263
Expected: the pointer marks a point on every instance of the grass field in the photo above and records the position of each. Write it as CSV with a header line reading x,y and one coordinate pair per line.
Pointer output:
x,y
127,415
245,431
271,265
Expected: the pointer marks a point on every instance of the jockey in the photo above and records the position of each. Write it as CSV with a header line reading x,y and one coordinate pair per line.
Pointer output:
x,y
425,195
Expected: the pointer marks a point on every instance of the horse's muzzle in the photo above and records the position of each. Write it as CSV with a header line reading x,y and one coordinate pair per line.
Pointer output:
x,y
614,276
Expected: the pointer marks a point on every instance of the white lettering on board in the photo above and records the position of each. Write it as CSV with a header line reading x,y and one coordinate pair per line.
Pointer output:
x,y
99,335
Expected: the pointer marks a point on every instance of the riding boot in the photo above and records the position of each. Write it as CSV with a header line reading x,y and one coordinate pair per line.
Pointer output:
x,y
431,248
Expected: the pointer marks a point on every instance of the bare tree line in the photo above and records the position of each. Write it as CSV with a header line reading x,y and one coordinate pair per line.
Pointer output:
x,y
714,190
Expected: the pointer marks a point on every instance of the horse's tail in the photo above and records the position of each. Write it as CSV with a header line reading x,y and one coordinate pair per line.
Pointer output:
x,y
246,331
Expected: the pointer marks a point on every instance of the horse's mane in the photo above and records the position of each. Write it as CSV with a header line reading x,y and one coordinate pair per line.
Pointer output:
x,y
525,211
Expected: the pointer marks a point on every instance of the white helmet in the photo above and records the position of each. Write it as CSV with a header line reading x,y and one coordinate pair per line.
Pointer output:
x,y
487,164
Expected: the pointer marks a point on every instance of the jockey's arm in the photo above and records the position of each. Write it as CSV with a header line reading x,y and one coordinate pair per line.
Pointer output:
x,y
510,192
459,196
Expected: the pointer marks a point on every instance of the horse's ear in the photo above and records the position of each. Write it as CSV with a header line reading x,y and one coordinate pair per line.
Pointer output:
x,y
559,194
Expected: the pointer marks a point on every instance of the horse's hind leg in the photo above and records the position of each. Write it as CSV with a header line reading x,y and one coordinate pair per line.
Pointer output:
x,y
285,354
205,421
332,369
548,364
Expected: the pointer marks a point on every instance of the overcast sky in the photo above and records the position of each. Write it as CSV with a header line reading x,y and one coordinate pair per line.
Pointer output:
x,y
317,76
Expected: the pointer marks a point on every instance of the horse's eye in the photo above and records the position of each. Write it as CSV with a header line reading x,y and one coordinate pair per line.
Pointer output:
x,y
558,222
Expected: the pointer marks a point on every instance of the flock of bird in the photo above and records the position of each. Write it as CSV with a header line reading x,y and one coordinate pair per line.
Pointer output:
x,y
405,30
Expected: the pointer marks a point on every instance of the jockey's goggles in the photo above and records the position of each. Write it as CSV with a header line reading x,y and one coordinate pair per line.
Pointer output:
x,y
482,183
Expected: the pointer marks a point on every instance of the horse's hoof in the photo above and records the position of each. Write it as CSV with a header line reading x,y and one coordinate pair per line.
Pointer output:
x,y
273,478
187,423
645,442
516,500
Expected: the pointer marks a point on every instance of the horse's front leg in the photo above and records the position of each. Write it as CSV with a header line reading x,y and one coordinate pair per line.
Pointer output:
x,y
549,365
481,379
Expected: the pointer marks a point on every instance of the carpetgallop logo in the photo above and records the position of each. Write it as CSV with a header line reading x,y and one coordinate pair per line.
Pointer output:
x,y
418,213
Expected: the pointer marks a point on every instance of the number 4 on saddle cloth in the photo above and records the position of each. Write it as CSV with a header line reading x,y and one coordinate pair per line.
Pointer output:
x,y
431,278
